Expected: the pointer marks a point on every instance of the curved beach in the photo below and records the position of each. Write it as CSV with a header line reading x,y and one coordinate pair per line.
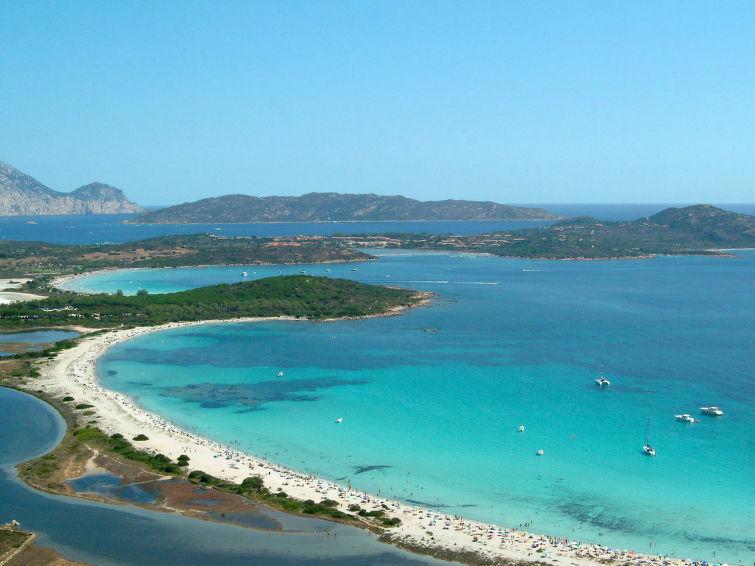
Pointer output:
x,y
73,373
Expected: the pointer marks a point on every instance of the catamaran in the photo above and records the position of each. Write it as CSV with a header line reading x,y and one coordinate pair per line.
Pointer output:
x,y
602,381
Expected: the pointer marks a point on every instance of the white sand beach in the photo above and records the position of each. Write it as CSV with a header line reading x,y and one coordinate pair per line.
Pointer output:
x,y
8,296
72,373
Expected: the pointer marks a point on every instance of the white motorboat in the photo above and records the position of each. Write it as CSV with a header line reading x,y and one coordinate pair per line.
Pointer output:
x,y
712,411
540,452
602,381
244,274
521,428
280,374
339,420
685,418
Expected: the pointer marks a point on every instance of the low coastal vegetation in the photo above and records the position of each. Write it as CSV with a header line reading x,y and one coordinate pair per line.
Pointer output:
x,y
51,471
40,258
254,488
11,540
693,230
118,445
689,230
301,296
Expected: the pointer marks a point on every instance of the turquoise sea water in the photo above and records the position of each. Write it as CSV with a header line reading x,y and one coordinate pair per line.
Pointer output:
x,y
117,535
432,417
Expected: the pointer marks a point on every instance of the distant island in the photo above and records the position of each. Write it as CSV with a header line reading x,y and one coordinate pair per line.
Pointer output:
x,y
332,207
694,229
22,195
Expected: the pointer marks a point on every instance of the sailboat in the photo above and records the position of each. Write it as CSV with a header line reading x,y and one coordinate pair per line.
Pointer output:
x,y
649,450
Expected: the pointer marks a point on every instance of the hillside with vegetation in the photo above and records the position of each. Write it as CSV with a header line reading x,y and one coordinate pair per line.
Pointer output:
x,y
301,296
19,259
690,230
331,207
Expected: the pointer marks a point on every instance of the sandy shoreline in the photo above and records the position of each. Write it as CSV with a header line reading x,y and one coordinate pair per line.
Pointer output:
x,y
72,373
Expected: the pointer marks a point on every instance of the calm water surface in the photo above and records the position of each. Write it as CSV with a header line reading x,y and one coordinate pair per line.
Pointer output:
x,y
109,535
93,229
432,417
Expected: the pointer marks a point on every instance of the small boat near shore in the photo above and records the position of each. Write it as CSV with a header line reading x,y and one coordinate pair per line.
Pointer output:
x,y
712,411
244,274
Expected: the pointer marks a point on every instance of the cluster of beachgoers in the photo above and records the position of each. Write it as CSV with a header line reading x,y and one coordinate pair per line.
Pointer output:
x,y
72,373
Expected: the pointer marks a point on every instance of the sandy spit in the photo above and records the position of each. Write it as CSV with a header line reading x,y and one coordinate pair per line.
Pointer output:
x,y
72,373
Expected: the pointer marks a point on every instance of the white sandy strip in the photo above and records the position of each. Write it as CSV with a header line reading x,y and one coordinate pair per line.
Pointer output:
x,y
72,373
60,282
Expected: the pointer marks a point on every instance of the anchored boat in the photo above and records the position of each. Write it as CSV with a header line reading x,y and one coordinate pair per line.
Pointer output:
x,y
712,411
646,447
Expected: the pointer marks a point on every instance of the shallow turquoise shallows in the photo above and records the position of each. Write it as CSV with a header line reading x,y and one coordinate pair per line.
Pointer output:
x,y
433,417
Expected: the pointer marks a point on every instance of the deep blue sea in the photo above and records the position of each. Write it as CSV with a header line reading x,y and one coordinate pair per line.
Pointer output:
x,y
108,228
432,417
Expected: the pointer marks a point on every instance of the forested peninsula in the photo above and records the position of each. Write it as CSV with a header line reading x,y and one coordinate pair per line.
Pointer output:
x,y
699,229
298,296
693,230
19,259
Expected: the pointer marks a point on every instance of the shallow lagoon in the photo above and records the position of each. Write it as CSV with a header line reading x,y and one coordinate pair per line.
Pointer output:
x,y
9,341
431,417
109,535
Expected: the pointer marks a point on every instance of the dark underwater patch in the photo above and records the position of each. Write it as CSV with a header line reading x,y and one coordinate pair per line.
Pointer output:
x,y
251,396
364,469
597,516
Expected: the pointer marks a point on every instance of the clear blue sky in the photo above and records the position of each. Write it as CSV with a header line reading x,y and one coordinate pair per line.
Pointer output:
x,y
517,102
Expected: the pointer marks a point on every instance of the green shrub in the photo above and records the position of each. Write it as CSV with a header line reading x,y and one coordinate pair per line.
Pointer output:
x,y
253,482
